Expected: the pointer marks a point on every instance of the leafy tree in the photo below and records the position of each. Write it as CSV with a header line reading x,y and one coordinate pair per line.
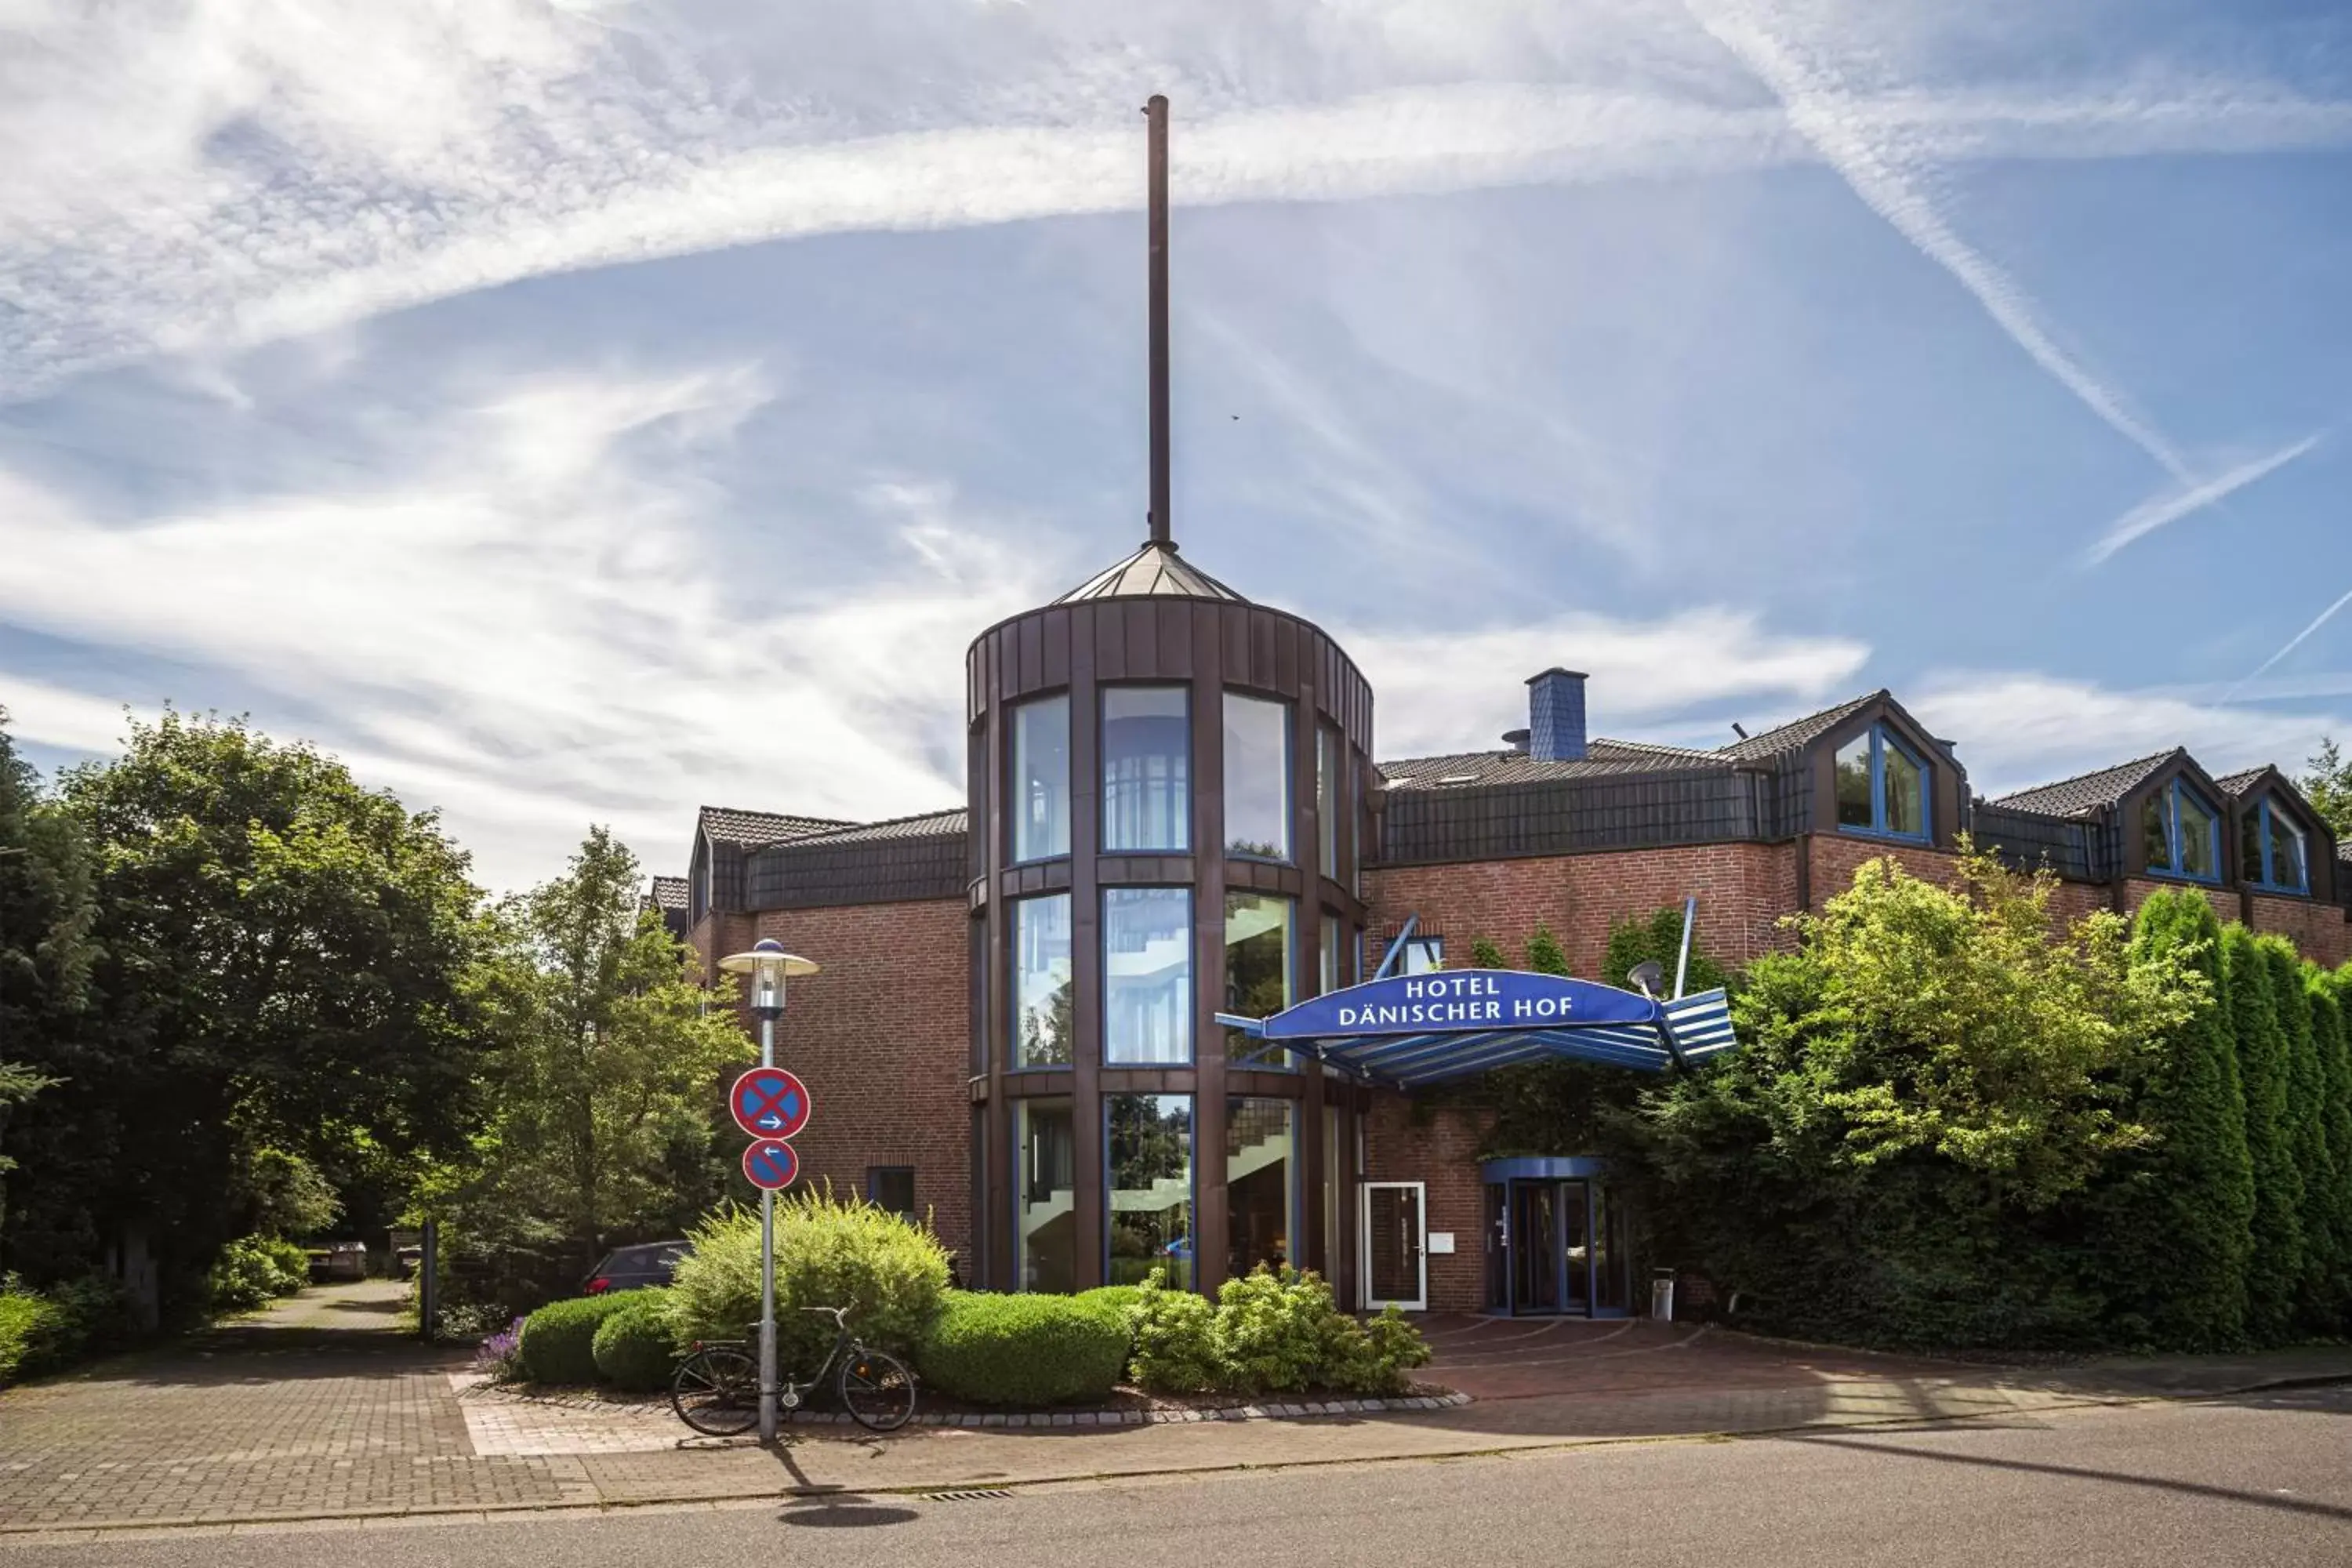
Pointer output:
x,y
280,964
602,1086
46,913
1920,1087
2265,1066
2327,785
2169,1223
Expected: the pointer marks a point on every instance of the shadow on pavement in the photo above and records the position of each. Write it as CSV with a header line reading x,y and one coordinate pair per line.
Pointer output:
x,y
843,1510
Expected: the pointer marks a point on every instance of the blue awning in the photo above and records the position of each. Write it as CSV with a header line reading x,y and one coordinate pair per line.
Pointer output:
x,y
1412,1030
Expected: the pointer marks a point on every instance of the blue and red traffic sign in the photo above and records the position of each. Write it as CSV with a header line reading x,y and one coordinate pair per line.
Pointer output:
x,y
770,1103
770,1164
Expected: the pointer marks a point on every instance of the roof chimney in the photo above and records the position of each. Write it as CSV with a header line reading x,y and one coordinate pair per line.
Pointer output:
x,y
1556,716
1517,740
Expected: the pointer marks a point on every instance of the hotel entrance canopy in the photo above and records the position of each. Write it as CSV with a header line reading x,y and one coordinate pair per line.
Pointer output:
x,y
1414,1029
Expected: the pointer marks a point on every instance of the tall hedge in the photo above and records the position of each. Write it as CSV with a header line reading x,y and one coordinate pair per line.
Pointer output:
x,y
2326,1209
2275,1265
2339,987
2171,1221
2302,1121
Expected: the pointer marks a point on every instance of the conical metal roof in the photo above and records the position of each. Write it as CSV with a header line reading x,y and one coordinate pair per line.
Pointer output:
x,y
1154,571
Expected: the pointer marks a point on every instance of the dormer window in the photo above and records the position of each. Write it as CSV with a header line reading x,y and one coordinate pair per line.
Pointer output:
x,y
2271,850
1882,786
2183,835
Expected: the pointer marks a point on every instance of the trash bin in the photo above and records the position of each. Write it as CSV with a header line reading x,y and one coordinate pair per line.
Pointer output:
x,y
1662,1295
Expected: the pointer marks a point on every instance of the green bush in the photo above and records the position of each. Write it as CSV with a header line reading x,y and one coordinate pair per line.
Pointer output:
x,y
559,1340
1371,1357
1175,1349
1024,1349
634,1348
1272,1329
36,1334
1120,1299
253,1270
890,1271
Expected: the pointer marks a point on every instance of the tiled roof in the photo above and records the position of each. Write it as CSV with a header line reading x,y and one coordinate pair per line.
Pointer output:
x,y
924,825
2087,792
1516,766
1608,757
1798,733
2238,784
669,894
1154,570
753,829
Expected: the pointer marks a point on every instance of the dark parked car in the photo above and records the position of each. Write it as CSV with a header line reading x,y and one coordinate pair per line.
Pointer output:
x,y
630,1268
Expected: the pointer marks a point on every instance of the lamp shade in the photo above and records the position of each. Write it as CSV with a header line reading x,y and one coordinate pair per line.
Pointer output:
x,y
768,964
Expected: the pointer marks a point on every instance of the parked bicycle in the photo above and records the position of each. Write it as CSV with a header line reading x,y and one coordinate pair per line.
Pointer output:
x,y
716,1389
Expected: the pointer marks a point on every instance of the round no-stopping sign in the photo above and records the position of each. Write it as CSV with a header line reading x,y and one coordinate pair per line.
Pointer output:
x,y
770,1164
769,1102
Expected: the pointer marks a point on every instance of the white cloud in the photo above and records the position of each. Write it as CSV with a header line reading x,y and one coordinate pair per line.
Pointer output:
x,y
541,626
228,174
2183,497
2017,728
1436,693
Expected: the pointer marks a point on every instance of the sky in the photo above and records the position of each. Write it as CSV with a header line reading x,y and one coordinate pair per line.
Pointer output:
x,y
582,412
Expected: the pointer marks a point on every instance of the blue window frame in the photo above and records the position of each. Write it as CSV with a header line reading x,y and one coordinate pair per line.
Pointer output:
x,y
2181,835
2272,850
1882,787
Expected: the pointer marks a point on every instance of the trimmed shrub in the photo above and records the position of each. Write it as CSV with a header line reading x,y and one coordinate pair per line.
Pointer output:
x,y
1373,1357
2326,1218
2304,1129
2169,1222
2275,1264
559,1340
1120,1299
2338,1064
1024,1349
1175,1341
634,1349
890,1271
1272,1329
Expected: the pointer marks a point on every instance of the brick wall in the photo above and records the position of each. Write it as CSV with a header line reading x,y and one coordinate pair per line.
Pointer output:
x,y
1439,1147
2318,930
2073,901
1743,889
881,1037
1836,857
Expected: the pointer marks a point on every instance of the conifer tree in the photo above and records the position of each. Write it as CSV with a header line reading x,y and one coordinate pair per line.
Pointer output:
x,y
2331,1300
1545,955
2302,1122
2275,1264
2174,1219
1485,954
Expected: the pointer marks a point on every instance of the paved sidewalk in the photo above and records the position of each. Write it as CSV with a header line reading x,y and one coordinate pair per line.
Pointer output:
x,y
320,1410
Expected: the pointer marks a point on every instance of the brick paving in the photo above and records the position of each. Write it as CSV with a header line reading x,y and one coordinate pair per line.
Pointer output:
x,y
318,1409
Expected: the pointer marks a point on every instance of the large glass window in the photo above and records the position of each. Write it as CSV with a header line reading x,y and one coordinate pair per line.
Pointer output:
x,y
2181,835
1328,977
1257,969
1261,1142
1044,1159
1151,1175
2270,850
1882,786
1042,996
1041,778
1257,777
1147,746
1147,976
1328,751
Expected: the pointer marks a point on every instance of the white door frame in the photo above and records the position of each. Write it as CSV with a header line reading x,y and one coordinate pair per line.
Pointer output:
x,y
1419,1302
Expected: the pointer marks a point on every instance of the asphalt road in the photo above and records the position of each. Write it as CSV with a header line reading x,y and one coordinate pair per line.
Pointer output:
x,y
2260,1480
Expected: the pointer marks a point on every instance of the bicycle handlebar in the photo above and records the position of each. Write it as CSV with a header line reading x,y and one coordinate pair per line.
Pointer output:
x,y
840,1314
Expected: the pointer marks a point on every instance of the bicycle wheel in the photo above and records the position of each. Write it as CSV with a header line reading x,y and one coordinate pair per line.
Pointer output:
x,y
717,1392
876,1390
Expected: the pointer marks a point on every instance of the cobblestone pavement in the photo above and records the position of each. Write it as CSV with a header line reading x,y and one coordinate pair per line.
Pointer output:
x,y
317,1405
319,1410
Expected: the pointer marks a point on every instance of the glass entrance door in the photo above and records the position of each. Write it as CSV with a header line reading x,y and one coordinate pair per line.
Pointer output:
x,y
1575,1248
1535,1246
1395,1247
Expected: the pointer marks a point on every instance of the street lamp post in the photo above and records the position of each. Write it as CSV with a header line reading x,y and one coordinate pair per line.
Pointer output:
x,y
767,964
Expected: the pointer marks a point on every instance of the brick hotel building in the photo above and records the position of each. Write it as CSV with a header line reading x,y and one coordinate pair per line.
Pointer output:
x,y
1173,808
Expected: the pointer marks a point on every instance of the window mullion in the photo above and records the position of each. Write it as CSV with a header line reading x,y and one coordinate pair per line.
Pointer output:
x,y
1877,781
